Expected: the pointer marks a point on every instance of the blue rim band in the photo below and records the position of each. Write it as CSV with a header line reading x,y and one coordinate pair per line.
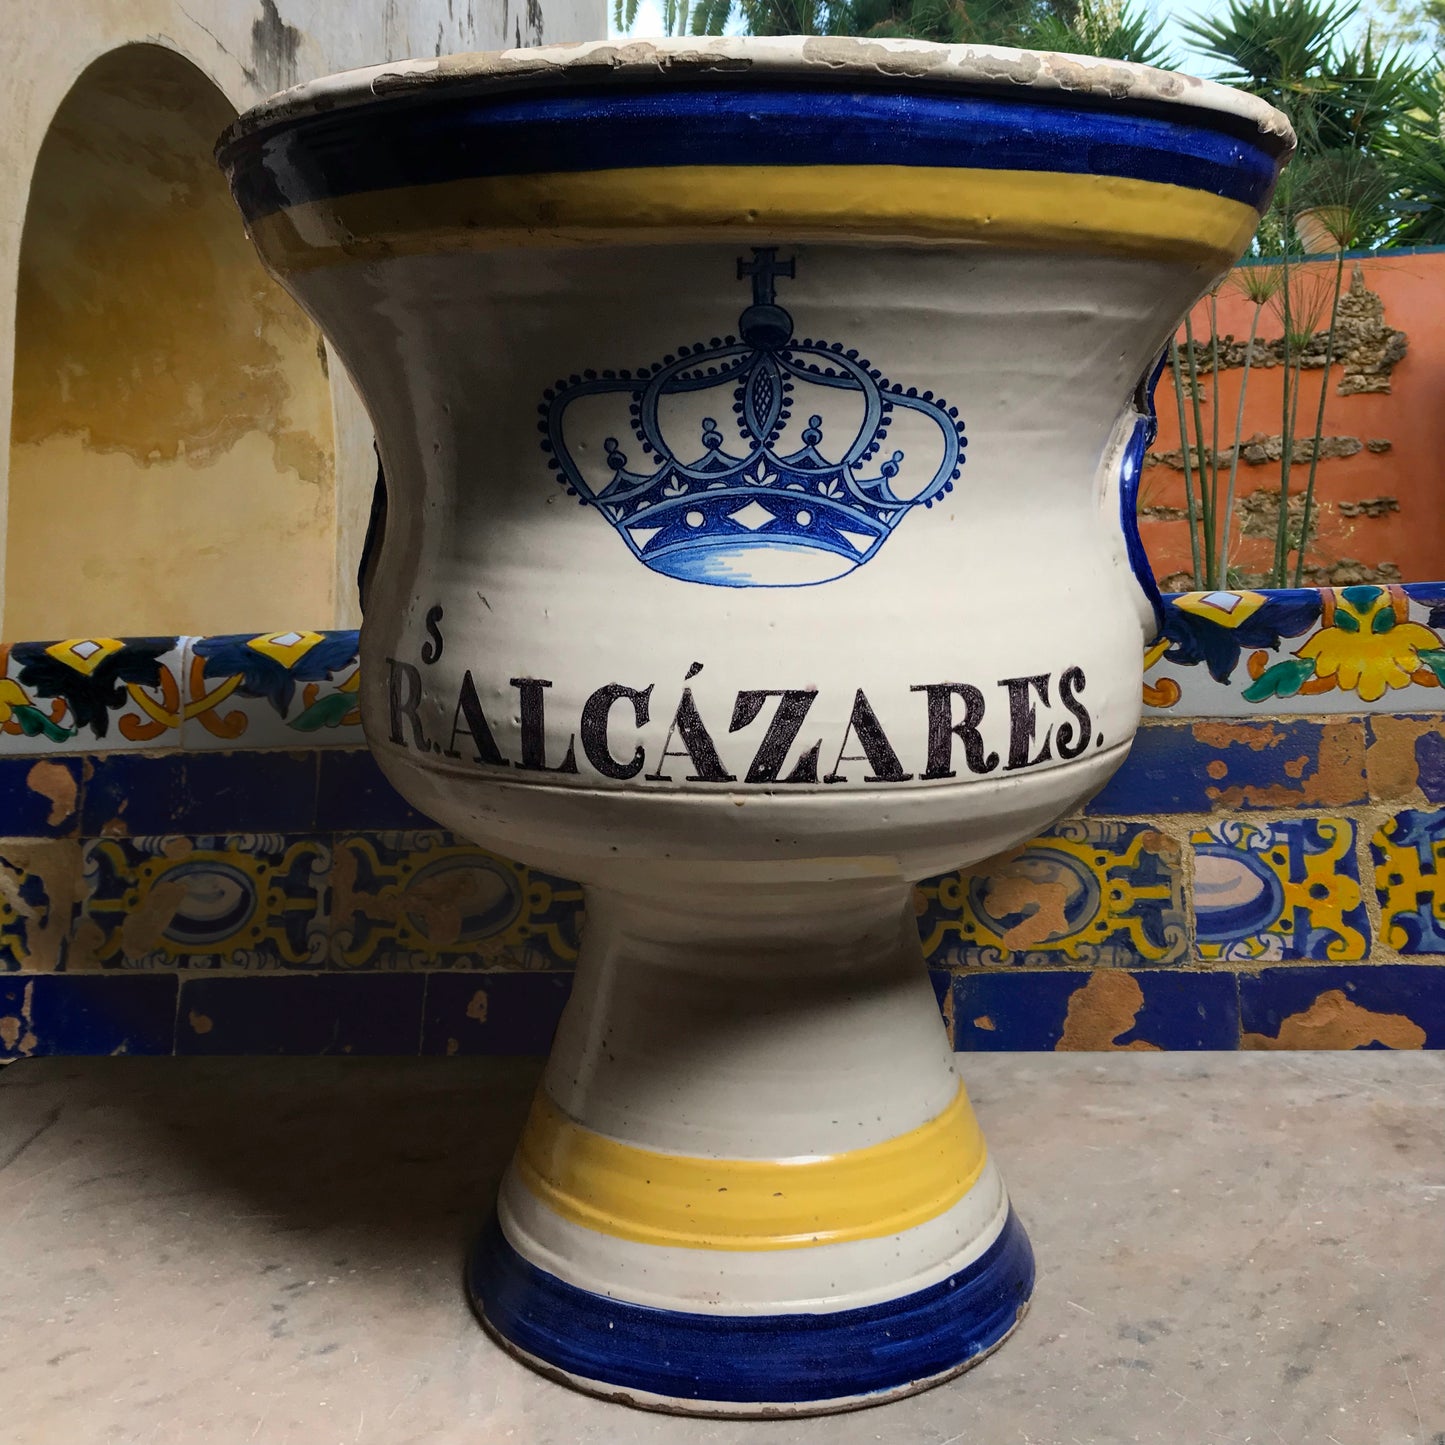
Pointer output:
x,y
431,140
1132,469
754,1359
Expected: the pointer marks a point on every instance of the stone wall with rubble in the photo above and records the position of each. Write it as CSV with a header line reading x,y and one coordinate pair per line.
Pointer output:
x,y
1377,516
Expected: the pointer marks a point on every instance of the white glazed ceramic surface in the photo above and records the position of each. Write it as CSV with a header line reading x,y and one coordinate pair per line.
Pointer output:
x,y
760,422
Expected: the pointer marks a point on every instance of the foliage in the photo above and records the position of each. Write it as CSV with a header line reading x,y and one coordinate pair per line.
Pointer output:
x,y
1111,28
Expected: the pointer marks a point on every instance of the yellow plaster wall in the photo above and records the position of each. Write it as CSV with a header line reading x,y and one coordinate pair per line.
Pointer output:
x,y
171,439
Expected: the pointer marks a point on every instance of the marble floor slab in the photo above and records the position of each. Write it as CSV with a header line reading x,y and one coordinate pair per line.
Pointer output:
x,y
1235,1247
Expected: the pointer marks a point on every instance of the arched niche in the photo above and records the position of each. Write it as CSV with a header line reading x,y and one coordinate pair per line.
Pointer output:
x,y
171,463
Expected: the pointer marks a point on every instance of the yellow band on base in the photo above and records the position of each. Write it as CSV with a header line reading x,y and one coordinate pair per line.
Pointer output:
x,y
697,1203
659,204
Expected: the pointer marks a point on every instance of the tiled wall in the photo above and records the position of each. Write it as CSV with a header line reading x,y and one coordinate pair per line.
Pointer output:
x,y
198,856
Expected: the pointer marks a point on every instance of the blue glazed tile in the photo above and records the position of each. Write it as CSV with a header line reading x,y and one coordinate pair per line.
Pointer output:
x,y
354,795
1409,880
1214,765
244,792
61,1013
39,797
1022,1009
361,1013
1278,890
252,901
1369,1006
39,889
1430,759
263,792
1090,891
495,1013
425,899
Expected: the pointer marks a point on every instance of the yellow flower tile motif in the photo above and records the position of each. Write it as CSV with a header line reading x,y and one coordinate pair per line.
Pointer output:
x,y
1367,644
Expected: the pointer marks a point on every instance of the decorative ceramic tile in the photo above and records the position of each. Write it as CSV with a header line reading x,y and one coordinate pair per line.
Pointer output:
x,y
1278,890
40,797
360,1013
90,694
1302,650
1405,757
1217,766
237,902
429,900
1409,850
251,791
496,1013
1004,1010
353,793
1093,892
62,1013
1374,1006
272,690
39,887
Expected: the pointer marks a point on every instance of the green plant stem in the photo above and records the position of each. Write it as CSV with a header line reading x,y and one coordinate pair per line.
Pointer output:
x,y
1299,562
1238,443
1188,471
1205,519
1286,441
1218,580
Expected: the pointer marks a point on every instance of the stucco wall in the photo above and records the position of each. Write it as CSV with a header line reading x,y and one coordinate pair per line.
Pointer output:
x,y
184,456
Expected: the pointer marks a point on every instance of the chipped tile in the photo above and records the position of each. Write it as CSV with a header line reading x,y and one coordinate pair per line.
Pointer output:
x,y
39,889
428,900
63,1013
40,797
1002,1010
502,1013
1408,850
1219,766
248,902
263,792
1376,1006
1278,890
1109,894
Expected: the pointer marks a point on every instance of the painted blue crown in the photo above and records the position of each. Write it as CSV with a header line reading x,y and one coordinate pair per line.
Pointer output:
x,y
772,503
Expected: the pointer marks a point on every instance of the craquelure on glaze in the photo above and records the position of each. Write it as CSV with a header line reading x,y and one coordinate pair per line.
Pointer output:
x,y
743,406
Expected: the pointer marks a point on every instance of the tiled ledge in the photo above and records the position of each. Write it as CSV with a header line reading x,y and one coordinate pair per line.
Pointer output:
x,y
198,855
1223,654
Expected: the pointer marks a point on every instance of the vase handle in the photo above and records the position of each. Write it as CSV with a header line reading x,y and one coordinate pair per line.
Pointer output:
x,y
1122,468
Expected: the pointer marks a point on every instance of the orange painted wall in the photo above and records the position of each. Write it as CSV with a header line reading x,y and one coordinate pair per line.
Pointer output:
x,y
1411,416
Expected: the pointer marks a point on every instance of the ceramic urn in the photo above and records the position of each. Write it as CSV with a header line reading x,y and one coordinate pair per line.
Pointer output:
x,y
761,421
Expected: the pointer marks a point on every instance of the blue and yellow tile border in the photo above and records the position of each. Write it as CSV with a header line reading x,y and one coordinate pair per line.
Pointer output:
x,y
197,855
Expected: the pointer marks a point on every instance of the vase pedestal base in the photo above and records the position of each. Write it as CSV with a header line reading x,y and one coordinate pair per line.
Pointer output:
x,y
751,1182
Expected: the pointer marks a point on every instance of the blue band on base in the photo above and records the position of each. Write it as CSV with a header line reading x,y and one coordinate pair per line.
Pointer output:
x,y
754,1359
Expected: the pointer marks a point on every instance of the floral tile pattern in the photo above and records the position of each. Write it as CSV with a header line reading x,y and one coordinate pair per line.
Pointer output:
x,y
90,693
1409,850
237,902
1278,890
1089,892
428,900
272,689
1300,650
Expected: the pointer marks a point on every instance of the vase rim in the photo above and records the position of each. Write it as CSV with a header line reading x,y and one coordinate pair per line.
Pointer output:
x,y
833,62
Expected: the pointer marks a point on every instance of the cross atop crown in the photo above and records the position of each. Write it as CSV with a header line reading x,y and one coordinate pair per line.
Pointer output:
x,y
764,269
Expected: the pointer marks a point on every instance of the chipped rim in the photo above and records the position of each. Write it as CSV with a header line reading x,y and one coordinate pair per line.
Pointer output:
x,y
840,61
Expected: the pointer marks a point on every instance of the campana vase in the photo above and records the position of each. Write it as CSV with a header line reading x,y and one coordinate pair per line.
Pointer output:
x,y
760,421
